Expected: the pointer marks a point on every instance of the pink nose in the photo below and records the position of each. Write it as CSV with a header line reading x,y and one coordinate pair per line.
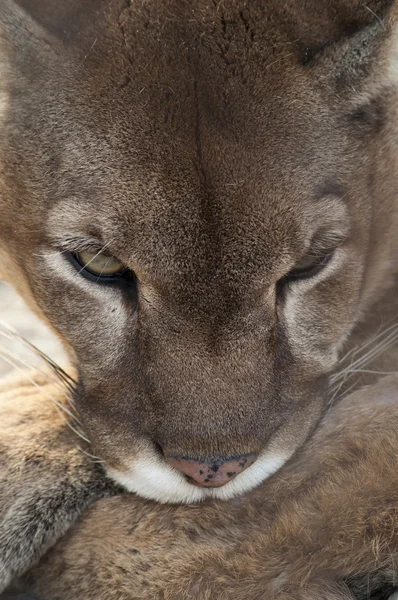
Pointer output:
x,y
213,472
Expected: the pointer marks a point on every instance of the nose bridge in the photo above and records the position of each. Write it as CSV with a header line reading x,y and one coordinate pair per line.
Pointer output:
x,y
208,285
208,389
212,404
209,303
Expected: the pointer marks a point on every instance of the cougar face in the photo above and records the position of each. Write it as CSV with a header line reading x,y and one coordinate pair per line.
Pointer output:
x,y
200,199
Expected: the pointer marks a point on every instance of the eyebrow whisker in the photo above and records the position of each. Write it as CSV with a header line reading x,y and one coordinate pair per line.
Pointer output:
x,y
92,259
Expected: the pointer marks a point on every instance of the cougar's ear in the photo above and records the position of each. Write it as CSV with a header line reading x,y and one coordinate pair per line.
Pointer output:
x,y
322,22
350,44
355,28
64,19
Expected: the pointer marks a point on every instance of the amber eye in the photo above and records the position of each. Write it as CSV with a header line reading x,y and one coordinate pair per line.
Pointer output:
x,y
98,266
308,266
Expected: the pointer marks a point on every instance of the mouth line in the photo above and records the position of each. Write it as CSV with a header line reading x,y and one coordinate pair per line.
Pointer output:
x,y
208,481
151,478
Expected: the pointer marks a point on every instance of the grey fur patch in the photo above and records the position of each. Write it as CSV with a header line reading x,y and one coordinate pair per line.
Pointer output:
x,y
38,518
39,502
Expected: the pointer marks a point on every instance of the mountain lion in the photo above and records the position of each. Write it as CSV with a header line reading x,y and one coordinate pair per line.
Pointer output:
x,y
200,198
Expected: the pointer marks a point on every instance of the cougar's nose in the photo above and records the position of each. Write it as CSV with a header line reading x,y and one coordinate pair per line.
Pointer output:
x,y
213,472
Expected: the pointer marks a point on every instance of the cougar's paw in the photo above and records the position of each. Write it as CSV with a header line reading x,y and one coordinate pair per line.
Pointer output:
x,y
46,479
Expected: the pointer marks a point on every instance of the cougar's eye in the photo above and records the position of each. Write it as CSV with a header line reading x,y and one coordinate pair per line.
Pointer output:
x,y
308,266
98,266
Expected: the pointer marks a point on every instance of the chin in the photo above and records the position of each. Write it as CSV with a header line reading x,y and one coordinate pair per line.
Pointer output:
x,y
150,477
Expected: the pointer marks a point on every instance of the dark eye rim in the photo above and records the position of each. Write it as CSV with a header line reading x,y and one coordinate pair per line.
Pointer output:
x,y
300,275
120,277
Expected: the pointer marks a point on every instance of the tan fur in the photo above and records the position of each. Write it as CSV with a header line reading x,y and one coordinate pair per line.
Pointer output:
x,y
324,528
207,145
327,524
46,478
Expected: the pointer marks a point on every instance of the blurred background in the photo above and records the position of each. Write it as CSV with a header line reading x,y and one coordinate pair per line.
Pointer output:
x,y
13,312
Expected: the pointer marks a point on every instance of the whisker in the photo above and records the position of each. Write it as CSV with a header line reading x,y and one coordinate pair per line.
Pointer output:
x,y
372,339
336,395
57,379
60,377
14,364
381,347
378,350
384,343
385,339
10,358
373,372
31,366
102,270
61,409
336,390
375,15
93,258
69,424
10,333
96,459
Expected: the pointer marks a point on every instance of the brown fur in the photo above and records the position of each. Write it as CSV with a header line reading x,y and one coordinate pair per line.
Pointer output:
x,y
205,144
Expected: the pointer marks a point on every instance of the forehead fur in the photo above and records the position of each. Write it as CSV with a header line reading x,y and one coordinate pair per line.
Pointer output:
x,y
206,138
185,118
